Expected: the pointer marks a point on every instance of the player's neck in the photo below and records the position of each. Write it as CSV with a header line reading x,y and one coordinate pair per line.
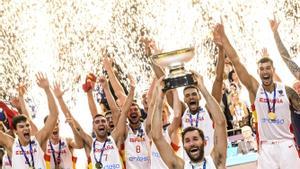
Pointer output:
x,y
135,126
55,140
101,139
269,88
24,142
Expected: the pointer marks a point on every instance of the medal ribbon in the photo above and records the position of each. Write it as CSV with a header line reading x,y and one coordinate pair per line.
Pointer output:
x,y
53,152
274,100
24,153
191,119
102,149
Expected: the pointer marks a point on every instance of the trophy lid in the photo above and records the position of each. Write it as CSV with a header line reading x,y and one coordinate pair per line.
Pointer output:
x,y
173,57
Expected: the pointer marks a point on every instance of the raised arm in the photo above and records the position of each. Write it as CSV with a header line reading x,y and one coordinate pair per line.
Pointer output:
x,y
6,140
249,81
86,139
88,88
152,94
165,150
120,131
294,68
218,83
294,98
110,99
220,135
24,108
177,108
77,141
43,134
116,85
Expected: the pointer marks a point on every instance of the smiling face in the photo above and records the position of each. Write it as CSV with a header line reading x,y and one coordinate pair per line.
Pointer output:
x,y
266,71
194,144
192,98
100,126
134,114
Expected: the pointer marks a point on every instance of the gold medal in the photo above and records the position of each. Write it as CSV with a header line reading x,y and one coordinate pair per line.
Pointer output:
x,y
98,165
272,116
31,167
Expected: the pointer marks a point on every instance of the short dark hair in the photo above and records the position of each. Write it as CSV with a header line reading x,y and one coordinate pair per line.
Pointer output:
x,y
98,115
191,87
264,60
107,113
189,129
18,119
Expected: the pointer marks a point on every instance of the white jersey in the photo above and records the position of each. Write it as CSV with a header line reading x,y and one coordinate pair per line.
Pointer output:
x,y
110,154
65,160
6,162
208,164
137,148
273,129
156,160
18,158
202,121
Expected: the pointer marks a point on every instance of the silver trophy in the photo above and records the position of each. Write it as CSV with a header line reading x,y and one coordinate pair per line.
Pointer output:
x,y
174,62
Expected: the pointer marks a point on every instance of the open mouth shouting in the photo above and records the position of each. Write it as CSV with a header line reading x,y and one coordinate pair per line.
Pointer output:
x,y
193,105
26,135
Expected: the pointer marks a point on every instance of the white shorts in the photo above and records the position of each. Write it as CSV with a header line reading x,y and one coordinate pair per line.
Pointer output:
x,y
281,154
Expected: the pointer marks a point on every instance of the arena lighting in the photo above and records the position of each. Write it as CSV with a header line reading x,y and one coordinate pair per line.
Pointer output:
x,y
64,38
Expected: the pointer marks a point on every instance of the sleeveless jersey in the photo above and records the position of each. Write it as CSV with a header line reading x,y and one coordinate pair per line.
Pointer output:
x,y
209,164
6,162
65,155
110,156
137,149
18,159
273,129
202,121
156,160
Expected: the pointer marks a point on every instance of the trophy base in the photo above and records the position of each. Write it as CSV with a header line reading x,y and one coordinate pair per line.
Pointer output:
x,y
179,81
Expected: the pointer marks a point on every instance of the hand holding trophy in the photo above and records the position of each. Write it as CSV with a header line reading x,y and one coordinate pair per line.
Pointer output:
x,y
174,61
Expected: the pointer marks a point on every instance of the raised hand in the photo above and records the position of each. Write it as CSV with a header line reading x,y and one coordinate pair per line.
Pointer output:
x,y
103,82
198,78
21,89
107,63
57,90
264,52
42,80
274,24
218,34
150,46
15,102
131,80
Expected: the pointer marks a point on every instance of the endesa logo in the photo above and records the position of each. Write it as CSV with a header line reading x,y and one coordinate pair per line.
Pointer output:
x,y
138,158
112,166
277,121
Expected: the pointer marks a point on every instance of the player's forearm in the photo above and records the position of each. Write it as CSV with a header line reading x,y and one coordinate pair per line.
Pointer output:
x,y
92,104
51,104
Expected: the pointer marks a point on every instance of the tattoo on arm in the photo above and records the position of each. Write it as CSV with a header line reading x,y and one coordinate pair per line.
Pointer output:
x,y
293,97
294,68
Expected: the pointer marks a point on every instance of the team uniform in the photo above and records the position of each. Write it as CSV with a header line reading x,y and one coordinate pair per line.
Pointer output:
x,y
59,154
202,121
277,147
6,162
207,163
106,154
137,149
33,152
